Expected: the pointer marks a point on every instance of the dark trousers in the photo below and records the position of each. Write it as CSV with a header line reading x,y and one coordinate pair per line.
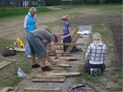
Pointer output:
x,y
68,40
87,67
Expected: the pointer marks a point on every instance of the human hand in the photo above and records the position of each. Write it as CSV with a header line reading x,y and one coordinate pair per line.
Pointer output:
x,y
52,62
57,56
62,37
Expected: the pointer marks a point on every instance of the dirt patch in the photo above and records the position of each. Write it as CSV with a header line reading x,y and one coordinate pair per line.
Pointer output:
x,y
115,25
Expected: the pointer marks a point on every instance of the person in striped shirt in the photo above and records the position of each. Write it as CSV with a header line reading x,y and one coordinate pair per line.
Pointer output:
x,y
96,54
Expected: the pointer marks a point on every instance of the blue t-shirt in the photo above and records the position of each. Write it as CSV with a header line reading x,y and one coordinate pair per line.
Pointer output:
x,y
66,29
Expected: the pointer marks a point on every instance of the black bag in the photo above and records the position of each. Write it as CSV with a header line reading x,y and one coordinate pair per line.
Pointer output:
x,y
80,88
8,51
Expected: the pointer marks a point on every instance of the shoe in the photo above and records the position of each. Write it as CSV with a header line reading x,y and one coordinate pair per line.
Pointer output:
x,y
80,50
46,68
35,66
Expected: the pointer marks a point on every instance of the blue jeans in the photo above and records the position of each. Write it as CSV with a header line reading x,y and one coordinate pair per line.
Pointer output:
x,y
27,49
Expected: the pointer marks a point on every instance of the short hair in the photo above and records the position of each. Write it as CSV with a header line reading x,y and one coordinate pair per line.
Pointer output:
x,y
33,9
97,36
66,17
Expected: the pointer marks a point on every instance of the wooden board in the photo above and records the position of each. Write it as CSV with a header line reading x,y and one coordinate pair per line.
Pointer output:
x,y
22,50
67,58
8,89
57,68
73,41
42,90
40,78
4,64
68,74
75,32
71,44
59,65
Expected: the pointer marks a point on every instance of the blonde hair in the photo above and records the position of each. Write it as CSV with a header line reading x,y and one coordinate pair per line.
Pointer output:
x,y
33,9
67,17
97,37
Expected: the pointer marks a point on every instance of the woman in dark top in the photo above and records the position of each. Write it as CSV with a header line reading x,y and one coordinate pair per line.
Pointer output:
x,y
67,32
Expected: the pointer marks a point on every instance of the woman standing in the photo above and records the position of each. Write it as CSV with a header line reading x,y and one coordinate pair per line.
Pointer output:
x,y
29,26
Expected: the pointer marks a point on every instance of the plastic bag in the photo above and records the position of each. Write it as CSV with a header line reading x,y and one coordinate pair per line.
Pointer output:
x,y
19,43
21,73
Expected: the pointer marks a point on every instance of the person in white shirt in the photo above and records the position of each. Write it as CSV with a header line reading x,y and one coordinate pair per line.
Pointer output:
x,y
96,54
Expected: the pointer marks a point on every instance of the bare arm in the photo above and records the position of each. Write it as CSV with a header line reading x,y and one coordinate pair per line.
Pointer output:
x,y
70,33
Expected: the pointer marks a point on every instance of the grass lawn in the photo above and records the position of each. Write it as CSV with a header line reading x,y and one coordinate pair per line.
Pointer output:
x,y
7,12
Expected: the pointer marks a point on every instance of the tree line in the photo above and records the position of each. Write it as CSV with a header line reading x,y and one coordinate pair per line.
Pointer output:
x,y
80,2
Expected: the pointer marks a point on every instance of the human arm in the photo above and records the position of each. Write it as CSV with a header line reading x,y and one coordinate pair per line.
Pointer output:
x,y
53,48
70,33
87,55
25,23
35,21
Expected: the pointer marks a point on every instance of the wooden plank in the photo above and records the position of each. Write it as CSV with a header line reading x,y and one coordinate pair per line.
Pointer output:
x,y
73,41
77,63
41,90
4,64
67,58
71,44
48,78
62,54
59,65
57,68
8,89
68,74
75,32
4,89
22,50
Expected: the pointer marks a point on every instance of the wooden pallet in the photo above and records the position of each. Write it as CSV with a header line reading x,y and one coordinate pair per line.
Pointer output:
x,y
8,89
67,74
4,64
42,90
68,58
59,65
40,78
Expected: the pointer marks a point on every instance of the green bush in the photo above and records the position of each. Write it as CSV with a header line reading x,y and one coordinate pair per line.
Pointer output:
x,y
52,2
6,12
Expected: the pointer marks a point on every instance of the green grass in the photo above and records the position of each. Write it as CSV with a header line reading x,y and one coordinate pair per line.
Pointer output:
x,y
98,6
114,76
5,43
7,12
107,38
91,81
8,75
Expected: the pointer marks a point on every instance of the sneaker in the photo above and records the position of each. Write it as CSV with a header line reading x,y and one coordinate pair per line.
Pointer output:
x,y
46,68
35,66
28,56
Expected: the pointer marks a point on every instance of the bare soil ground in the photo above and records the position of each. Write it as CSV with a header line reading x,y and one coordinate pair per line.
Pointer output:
x,y
115,25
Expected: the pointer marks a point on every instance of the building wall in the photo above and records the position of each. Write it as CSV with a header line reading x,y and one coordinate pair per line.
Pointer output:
x,y
20,3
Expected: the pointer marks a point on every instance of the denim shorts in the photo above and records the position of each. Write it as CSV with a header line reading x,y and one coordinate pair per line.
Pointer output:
x,y
37,47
